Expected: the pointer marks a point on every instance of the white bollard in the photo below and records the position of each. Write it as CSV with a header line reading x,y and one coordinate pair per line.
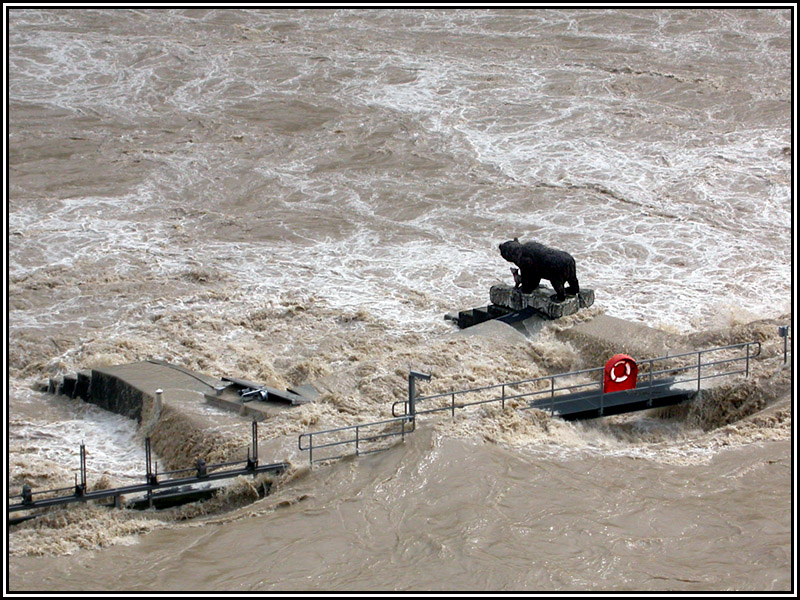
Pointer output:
x,y
157,413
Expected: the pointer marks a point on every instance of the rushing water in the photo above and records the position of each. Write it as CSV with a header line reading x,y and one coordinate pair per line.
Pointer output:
x,y
291,195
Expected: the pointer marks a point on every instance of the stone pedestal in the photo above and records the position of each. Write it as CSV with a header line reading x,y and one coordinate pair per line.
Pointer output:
x,y
540,300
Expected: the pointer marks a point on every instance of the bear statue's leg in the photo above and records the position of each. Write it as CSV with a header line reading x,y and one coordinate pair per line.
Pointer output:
x,y
558,286
573,288
529,283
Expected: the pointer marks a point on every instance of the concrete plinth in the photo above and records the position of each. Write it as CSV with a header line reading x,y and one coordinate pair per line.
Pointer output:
x,y
540,300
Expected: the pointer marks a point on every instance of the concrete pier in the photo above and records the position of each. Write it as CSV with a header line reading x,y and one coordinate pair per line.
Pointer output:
x,y
181,420
127,389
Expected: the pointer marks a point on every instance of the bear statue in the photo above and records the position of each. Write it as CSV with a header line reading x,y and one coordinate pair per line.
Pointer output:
x,y
536,262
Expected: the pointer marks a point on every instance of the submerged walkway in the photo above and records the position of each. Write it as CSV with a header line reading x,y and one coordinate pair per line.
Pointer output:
x,y
621,386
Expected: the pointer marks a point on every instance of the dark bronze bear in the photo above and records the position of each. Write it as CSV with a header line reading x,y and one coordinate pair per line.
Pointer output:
x,y
536,262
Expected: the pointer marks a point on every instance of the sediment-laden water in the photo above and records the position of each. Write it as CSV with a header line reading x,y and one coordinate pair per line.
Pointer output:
x,y
293,195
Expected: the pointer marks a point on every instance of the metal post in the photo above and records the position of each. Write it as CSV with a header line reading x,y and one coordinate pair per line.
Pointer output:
x,y
27,494
747,362
503,396
81,489
699,361
412,390
552,396
152,478
453,406
158,405
147,457
83,466
783,331
254,463
356,440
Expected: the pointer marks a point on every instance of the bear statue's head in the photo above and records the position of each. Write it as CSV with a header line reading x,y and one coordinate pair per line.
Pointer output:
x,y
510,250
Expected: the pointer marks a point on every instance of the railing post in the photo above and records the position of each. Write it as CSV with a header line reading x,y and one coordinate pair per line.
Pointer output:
x,y
253,463
503,396
412,390
552,396
310,448
255,441
699,362
357,440
80,490
27,494
783,331
747,363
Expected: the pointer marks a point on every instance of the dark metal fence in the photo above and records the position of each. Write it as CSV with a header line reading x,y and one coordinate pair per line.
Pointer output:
x,y
681,369
685,369
202,472
362,437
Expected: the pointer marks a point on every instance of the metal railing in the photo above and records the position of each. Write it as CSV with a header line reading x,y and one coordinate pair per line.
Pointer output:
x,y
356,437
202,473
340,433
553,386
550,385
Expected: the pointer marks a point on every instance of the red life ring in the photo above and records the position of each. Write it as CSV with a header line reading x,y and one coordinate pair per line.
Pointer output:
x,y
617,378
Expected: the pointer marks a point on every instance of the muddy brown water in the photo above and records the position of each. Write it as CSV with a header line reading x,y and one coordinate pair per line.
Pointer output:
x,y
300,195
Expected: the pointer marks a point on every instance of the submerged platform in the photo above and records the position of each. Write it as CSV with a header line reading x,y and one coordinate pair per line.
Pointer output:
x,y
253,399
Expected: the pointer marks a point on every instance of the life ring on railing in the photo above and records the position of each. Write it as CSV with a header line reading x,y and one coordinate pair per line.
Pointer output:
x,y
626,368
621,372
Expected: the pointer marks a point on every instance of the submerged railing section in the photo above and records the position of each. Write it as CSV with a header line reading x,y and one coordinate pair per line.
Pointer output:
x,y
678,371
361,437
657,376
364,438
153,480
682,372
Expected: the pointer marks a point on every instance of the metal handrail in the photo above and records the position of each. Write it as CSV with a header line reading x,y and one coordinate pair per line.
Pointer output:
x,y
203,473
357,440
646,365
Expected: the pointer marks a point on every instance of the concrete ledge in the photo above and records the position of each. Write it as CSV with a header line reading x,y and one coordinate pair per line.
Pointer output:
x,y
177,420
540,300
603,336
